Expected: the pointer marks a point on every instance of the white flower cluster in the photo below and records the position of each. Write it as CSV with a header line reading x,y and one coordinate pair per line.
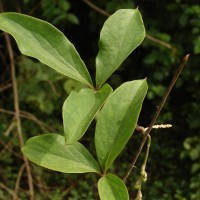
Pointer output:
x,y
160,126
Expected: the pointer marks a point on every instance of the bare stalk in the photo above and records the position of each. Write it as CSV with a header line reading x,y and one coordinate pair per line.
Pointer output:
x,y
17,111
147,132
17,115
143,173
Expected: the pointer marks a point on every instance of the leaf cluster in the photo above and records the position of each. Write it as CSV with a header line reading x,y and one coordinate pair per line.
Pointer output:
x,y
117,118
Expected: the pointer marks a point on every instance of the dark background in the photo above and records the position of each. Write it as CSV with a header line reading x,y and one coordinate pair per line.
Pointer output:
x,y
174,162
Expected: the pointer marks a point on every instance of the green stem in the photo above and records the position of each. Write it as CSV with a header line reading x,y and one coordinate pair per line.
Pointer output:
x,y
143,174
143,168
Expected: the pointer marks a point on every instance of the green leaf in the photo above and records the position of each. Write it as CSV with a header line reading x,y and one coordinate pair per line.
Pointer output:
x,y
120,35
113,188
41,40
50,151
117,120
79,110
73,18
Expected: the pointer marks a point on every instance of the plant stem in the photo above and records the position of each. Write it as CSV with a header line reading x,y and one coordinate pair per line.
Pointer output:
x,y
143,174
147,132
94,7
30,116
143,168
17,115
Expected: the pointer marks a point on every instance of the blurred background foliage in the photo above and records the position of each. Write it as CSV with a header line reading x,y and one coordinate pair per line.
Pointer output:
x,y
174,164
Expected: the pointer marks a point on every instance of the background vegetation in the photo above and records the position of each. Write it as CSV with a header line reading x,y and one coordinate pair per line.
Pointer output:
x,y
174,163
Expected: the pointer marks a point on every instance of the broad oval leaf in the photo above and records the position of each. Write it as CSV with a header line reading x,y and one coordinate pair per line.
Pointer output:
x,y
121,34
111,187
79,110
51,151
117,120
41,40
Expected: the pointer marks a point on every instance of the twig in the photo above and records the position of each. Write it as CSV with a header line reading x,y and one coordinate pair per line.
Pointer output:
x,y
7,111
147,132
143,173
7,189
7,146
143,168
42,188
156,40
35,8
10,128
41,124
27,115
73,185
149,37
18,181
5,87
94,7
53,88
17,110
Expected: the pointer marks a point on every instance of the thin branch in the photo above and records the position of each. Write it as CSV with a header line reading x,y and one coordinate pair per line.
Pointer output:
x,y
143,168
7,111
147,132
158,41
27,115
73,185
5,87
45,127
8,147
42,188
18,181
10,128
149,37
17,110
94,7
143,174
11,192
53,88
35,8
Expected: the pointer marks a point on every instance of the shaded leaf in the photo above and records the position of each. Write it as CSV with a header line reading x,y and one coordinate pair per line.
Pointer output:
x,y
50,151
41,40
117,120
73,18
121,34
112,187
79,110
